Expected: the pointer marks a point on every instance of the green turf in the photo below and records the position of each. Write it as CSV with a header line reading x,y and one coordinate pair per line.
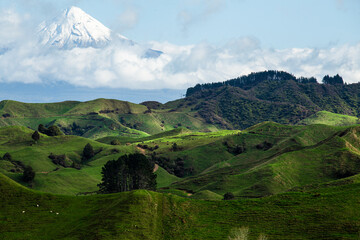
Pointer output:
x,y
329,118
325,212
164,178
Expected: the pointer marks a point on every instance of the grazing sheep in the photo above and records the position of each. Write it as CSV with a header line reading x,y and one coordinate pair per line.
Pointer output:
x,y
37,205
57,213
23,211
51,211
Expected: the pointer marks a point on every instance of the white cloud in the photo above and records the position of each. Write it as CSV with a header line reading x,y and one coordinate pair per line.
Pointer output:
x,y
121,65
10,26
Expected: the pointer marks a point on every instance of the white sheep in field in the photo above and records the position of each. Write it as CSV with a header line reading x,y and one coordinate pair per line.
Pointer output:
x,y
57,213
23,211
37,205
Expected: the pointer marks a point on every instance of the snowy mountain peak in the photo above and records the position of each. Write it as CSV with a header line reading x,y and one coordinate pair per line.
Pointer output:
x,y
75,12
75,28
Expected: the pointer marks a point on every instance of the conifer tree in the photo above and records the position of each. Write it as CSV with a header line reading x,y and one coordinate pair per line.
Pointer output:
x,y
29,174
88,152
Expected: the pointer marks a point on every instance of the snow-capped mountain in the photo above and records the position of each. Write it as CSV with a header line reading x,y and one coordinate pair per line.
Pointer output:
x,y
75,28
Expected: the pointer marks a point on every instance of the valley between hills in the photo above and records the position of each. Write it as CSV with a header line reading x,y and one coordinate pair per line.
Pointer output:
x,y
284,150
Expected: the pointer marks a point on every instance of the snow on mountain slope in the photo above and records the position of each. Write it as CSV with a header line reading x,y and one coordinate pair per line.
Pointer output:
x,y
75,28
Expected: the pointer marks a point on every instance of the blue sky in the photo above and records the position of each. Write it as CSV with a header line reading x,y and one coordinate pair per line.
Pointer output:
x,y
202,40
275,23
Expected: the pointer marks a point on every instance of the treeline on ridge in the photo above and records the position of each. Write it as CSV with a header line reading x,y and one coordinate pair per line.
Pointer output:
x,y
248,81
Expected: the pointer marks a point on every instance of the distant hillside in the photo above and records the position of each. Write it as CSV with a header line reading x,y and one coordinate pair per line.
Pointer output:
x,y
234,104
332,119
100,118
269,96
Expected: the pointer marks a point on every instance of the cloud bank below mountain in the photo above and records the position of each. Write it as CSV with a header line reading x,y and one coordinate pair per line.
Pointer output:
x,y
122,65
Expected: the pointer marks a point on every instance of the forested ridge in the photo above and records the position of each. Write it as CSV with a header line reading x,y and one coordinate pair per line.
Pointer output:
x,y
271,95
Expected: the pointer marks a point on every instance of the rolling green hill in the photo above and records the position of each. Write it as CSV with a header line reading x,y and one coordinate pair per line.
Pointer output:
x,y
99,118
263,160
294,168
55,178
326,212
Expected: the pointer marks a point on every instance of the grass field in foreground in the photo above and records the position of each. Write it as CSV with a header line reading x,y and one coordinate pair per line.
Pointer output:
x,y
324,212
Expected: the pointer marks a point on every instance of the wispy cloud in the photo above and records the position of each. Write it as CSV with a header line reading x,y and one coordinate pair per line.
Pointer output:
x,y
198,10
127,19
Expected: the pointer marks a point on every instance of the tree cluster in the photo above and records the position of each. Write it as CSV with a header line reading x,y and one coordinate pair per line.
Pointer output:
x,y
51,131
129,172
63,160
176,167
147,147
234,148
264,146
333,80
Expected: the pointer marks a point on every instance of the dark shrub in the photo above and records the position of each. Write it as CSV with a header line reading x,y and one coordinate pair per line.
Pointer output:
x,y
229,196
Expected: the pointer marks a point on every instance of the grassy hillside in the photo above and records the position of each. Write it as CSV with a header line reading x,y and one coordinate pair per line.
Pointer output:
x,y
328,118
99,118
49,176
54,178
325,212
265,159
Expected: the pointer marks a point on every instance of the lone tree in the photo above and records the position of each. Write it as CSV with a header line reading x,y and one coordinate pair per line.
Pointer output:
x,y
7,156
35,136
28,175
129,172
88,152
175,147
